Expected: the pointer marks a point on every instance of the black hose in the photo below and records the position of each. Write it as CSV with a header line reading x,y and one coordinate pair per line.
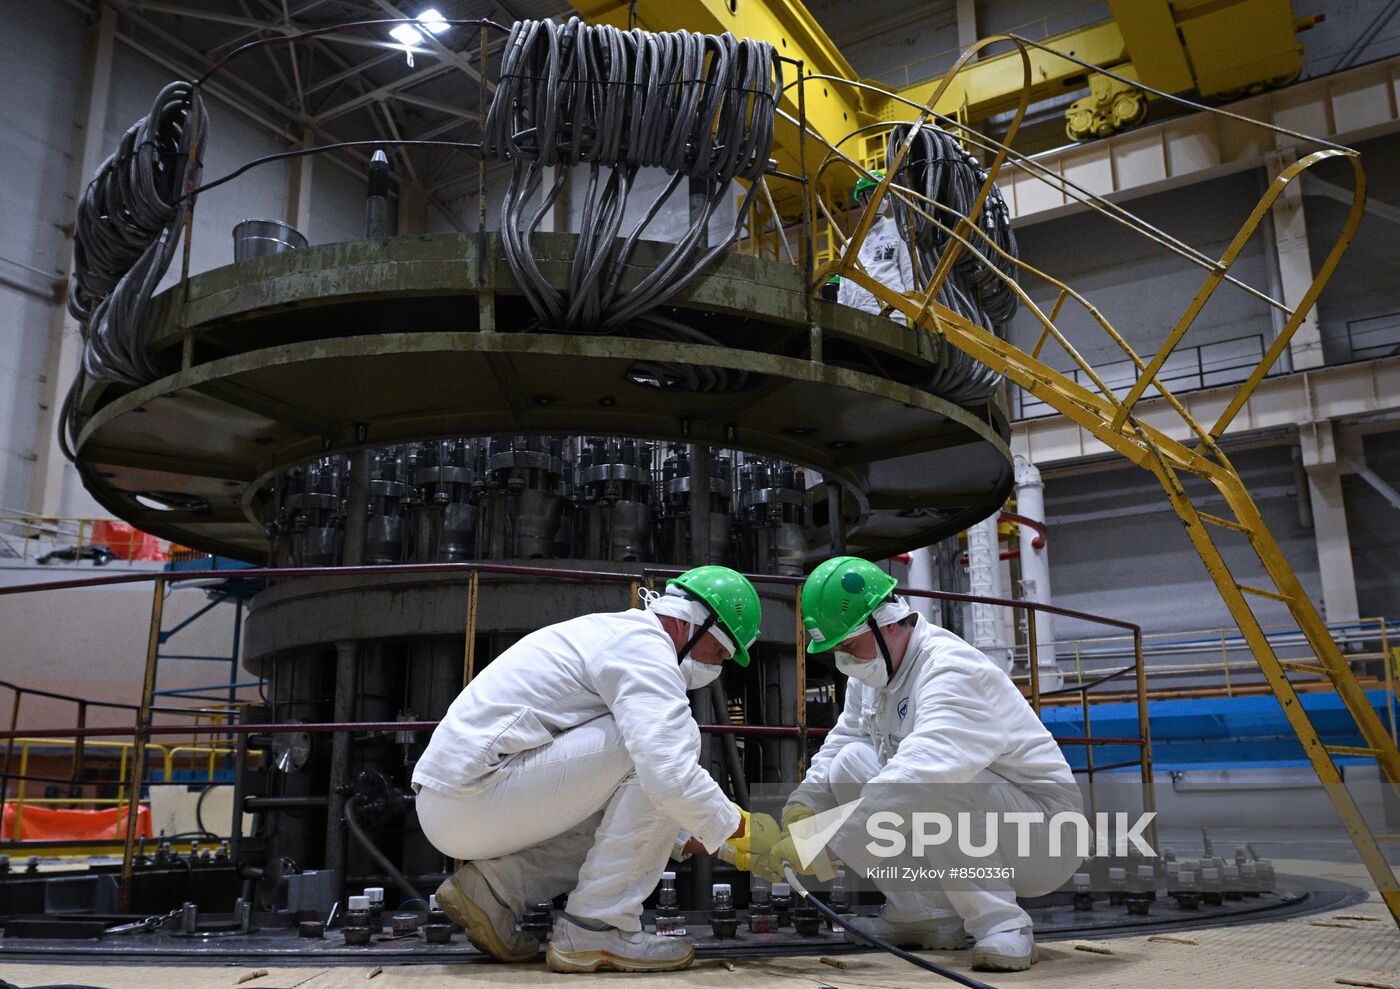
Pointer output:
x,y
379,857
910,957
199,809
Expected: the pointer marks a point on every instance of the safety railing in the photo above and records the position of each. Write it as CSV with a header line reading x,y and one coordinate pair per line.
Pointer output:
x,y
135,753
27,535
1373,337
1221,362
1226,667
78,748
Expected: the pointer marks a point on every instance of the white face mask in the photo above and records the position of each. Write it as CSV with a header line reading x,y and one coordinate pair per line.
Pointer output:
x,y
871,672
697,674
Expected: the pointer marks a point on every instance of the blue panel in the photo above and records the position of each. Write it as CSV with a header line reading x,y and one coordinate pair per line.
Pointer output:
x,y
1214,732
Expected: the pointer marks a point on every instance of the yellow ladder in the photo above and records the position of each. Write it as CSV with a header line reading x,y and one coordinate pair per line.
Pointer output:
x,y
1331,664
1110,419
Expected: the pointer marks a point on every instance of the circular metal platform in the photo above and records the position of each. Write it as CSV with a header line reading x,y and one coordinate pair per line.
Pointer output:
x,y
370,343
281,945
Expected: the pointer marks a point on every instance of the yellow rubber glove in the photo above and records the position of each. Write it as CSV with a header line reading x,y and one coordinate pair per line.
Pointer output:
x,y
785,850
796,812
757,833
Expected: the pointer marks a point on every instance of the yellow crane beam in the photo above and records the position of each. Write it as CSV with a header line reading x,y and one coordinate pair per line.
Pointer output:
x,y
1214,47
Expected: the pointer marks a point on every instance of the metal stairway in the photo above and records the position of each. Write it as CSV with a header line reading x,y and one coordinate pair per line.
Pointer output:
x,y
1110,419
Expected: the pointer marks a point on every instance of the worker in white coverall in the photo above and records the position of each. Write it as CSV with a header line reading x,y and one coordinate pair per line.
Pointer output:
x,y
570,763
883,254
931,726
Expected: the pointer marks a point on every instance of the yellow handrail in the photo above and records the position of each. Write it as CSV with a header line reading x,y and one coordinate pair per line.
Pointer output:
x,y
78,527
168,755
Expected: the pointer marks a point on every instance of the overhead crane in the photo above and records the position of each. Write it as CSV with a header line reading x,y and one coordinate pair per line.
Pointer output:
x,y
1216,49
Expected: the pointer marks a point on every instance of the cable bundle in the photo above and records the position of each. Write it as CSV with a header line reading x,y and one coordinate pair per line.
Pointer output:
x,y
698,106
940,169
128,228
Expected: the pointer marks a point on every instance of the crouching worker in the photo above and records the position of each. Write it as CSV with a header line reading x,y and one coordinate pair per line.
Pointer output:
x,y
932,730
569,764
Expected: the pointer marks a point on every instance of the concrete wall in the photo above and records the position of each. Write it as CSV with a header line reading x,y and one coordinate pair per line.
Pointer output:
x,y
1117,548
1140,287
1374,524
1363,289
40,61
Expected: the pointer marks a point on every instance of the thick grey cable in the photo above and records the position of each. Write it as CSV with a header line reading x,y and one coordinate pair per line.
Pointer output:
x,y
574,95
127,232
881,943
938,168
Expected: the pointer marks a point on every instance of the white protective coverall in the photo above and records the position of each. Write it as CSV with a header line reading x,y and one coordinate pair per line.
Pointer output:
x,y
886,259
949,734
569,763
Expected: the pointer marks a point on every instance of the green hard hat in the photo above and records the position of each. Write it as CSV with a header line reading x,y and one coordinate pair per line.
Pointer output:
x,y
839,596
866,182
732,599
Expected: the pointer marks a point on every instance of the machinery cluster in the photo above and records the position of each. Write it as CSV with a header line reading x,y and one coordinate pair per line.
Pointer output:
x,y
533,497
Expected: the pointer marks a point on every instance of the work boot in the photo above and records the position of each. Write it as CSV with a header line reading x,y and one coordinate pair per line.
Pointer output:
x,y
575,948
933,933
1005,951
470,902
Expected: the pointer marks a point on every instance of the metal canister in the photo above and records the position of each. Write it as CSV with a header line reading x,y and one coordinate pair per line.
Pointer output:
x,y
261,238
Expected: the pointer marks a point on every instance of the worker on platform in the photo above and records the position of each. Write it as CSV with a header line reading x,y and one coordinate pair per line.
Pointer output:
x,y
570,763
883,254
931,725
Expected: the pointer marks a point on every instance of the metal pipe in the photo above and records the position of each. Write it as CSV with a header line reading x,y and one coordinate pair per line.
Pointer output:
x,y
256,804
343,706
141,734
1149,793
720,700
506,569
379,857
328,727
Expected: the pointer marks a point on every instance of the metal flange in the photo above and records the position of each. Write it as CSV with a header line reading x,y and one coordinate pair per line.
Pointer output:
x,y
282,359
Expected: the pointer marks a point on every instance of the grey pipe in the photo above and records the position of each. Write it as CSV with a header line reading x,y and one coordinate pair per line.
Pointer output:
x,y
720,699
343,707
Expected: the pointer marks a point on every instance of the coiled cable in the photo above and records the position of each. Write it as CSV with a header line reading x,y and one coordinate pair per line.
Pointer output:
x,y
940,170
576,95
127,231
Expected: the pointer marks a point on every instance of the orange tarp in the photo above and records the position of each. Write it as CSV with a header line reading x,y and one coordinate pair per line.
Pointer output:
x,y
39,823
126,541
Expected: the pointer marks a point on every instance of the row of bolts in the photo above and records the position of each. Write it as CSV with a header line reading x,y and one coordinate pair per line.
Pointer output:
x,y
1190,883
163,854
771,908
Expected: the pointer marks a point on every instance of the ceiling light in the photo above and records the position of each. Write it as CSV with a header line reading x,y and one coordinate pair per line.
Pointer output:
x,y
433,21
406,35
